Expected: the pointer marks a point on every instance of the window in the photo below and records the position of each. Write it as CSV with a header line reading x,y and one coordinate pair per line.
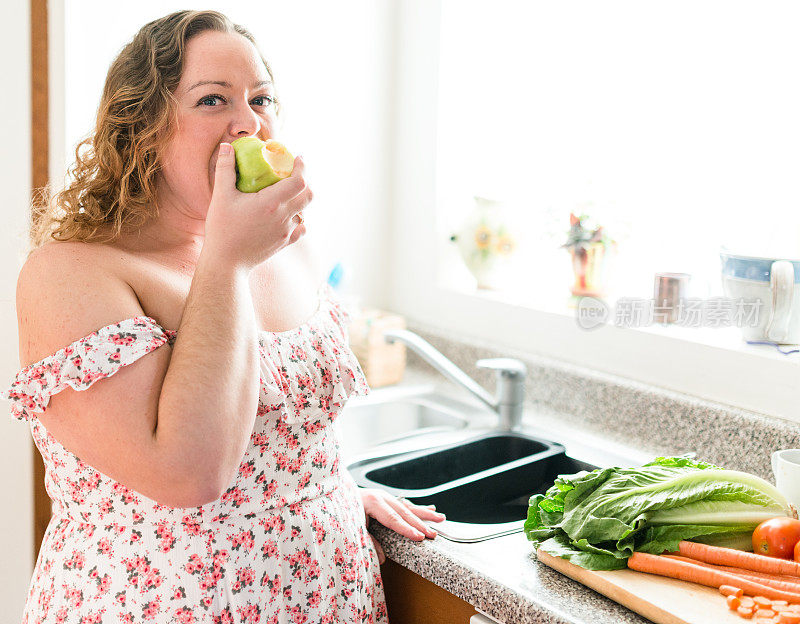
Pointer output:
x,y
675,125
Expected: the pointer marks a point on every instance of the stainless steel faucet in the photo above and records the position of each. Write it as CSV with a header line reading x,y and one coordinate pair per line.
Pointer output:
x,y
510,377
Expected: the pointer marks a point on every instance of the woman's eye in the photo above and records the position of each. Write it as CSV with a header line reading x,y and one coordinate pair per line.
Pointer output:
x,y
210,98
270,100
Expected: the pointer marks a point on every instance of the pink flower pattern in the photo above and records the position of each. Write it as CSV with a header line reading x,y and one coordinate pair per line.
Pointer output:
x,y
285,543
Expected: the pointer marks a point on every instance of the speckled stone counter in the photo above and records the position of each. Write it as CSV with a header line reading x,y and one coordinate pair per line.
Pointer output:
x,y
501,577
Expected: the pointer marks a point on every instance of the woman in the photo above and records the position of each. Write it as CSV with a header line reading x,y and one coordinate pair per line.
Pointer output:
x,y
194,471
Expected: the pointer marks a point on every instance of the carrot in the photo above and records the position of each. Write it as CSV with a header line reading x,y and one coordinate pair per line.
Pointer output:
x,y
728,590
738,558
747,601
745,612
762,602
765,613
765,579
758,577
787,617
751,574
664,566
733,602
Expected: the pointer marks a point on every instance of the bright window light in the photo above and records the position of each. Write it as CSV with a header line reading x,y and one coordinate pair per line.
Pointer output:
x,y
676,125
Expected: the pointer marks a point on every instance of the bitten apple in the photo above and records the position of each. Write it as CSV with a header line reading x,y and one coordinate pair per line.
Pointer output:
x,y
260,163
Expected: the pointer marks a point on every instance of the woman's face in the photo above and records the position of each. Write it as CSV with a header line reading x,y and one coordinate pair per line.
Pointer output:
x,y
209,114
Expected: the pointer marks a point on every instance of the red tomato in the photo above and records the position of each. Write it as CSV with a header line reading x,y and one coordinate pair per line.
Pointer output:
x,y
777,537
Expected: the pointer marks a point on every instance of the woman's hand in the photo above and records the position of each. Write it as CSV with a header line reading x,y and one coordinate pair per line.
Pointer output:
x,y
245,229
399,515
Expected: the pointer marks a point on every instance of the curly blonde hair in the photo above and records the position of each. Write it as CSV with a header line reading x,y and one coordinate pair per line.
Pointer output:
x,y
114,174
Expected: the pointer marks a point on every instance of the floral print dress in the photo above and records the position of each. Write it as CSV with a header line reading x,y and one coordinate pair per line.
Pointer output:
x,y
285,543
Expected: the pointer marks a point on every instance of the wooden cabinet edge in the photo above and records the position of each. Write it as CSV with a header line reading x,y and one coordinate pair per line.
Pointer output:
x,y
411,599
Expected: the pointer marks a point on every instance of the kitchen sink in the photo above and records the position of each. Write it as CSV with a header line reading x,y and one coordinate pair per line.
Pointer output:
x,y
481,483
430,471
504,497
433,449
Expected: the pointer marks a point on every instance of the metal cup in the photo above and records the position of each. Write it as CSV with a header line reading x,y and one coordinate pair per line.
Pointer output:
x,y
670,289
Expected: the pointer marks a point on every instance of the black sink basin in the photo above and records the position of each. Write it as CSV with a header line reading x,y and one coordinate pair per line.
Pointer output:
x,y
433,470
486,480
502,497
456,462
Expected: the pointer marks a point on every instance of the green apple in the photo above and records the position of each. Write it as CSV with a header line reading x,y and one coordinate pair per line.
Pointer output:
x,y
260,163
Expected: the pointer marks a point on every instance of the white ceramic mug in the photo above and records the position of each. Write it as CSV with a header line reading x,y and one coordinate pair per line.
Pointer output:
x,y
786,468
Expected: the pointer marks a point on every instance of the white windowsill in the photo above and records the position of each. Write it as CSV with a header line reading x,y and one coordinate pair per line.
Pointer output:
x,y
711,364
722,338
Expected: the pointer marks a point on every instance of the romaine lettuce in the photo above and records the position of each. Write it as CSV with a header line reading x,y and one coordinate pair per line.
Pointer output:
x,y
597,519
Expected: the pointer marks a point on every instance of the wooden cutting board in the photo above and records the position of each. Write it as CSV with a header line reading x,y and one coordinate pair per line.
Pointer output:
x,y
660,599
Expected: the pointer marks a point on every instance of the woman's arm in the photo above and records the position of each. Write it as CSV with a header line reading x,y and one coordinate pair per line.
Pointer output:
x,y
172,424
209,398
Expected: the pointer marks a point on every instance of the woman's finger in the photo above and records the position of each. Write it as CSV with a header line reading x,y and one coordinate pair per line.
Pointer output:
x,y
390,517
411,518
426,512
298,203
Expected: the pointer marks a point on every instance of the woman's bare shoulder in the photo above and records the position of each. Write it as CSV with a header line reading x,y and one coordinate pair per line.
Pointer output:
x,y
66,290
58,251
79,257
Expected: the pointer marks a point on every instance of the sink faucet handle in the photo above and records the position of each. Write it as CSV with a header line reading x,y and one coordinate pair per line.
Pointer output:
x,y
510,389
511,368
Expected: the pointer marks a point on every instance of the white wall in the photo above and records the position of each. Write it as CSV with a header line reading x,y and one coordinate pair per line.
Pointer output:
x,y
16,459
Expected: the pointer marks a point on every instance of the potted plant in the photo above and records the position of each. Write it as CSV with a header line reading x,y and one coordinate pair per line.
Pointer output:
x,y
589,248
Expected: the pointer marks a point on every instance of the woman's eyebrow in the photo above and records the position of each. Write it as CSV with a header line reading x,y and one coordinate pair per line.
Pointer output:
x,y
226,84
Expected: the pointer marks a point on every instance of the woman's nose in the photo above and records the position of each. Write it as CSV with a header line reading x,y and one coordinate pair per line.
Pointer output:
x,y
245,121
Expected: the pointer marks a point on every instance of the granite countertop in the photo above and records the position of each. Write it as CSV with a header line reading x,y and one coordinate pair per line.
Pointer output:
x,y
500,576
